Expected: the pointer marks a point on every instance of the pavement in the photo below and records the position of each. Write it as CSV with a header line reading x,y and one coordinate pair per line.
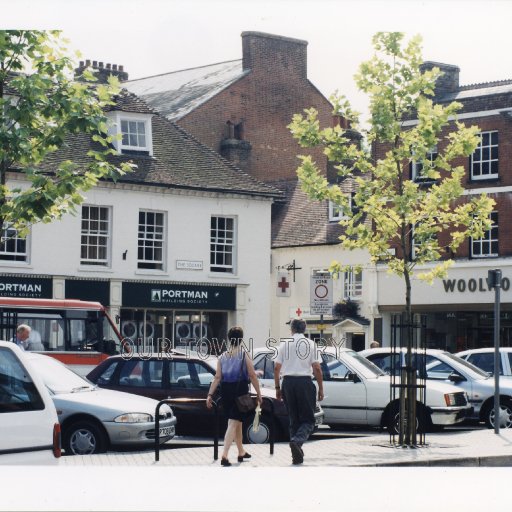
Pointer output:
x,y
345,471
471,448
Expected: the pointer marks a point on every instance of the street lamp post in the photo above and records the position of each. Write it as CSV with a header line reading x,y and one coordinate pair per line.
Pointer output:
x,y
494,278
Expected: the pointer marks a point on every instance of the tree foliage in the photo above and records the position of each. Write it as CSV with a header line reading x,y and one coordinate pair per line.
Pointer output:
x,y
393,210
41,105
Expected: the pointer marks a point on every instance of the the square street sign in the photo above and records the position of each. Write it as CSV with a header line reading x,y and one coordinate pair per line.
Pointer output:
x,y
321,295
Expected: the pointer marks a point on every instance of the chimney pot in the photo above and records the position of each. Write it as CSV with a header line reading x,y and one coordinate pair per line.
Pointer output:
x,y
100,65
121,68
81,64
87,62
114,67
109,65
95,64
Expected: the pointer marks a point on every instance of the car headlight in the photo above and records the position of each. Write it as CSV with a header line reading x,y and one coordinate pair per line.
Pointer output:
x,y
450,400
134,417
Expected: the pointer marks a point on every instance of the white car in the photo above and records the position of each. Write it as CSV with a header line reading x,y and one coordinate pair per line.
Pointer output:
x,y
442,366
29,427
358,393
484,359
92,418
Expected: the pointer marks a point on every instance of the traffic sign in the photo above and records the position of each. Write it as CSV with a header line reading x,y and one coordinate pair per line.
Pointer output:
x,y
321,295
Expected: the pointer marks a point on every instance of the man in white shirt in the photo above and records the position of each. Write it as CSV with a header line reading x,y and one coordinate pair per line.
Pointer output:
x,y
297,360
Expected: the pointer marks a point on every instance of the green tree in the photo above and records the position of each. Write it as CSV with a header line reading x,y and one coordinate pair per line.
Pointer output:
x,y
394,211
41,105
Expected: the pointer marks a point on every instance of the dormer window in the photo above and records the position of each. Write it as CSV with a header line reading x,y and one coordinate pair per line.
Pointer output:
x,y
135,130
336,211
134,134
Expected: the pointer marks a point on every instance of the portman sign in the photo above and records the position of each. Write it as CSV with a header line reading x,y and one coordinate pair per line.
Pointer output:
x,y
25,287
177,295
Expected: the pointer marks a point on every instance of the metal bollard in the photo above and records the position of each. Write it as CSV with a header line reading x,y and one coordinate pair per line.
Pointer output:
x,y
157,427
272,424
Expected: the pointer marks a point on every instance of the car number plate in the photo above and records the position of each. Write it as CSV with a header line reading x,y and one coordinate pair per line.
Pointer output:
x,y
166,431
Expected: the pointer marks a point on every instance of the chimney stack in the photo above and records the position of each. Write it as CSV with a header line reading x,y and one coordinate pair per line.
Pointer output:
x,y
269,52
102,71
448,82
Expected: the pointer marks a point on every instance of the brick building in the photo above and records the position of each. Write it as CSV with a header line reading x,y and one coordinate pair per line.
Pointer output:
x,y
458,310
241,109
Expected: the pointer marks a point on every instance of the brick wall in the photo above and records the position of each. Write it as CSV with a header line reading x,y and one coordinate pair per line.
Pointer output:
x,y
503,124
264,101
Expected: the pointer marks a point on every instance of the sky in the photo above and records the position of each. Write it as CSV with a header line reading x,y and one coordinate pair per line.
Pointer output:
x,y
150,37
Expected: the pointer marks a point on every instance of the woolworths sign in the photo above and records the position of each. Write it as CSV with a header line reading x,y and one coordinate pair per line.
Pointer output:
x,y
472,285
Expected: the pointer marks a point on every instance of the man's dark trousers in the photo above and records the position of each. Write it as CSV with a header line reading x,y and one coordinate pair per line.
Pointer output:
x,y
299,394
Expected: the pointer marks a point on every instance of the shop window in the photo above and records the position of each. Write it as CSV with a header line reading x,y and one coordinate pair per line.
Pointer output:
x,y
151,240
487,246
12,246
222,244
95,235
484,160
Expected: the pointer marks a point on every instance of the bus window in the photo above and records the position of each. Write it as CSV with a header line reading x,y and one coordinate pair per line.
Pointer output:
x,y
78,333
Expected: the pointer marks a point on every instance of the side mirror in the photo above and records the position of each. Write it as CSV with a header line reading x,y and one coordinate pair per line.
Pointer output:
x,y
353,377
455,377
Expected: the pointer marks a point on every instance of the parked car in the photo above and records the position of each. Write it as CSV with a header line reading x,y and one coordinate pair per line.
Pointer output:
x,y
358,393
185,376
443,366
92,419
29,427
484,359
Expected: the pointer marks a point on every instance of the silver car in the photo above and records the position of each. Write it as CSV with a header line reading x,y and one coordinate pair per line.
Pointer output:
x,y
484,359
443,366
92,419
357,393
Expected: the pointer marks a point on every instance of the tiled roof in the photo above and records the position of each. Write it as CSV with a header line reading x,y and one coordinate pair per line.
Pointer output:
x,y
300,221
476,90
177,93
178,160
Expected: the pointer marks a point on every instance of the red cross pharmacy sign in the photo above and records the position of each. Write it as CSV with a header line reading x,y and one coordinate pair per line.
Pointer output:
x,y
321,295
283,285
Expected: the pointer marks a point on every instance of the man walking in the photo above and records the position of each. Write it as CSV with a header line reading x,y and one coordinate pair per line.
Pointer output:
x,y
297,361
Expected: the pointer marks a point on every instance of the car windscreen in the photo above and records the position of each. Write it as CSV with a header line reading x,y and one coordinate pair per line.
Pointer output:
x,y
362,365
473,371
58,378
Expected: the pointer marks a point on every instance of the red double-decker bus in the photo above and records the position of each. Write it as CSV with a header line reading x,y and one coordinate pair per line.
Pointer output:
x,y
79,333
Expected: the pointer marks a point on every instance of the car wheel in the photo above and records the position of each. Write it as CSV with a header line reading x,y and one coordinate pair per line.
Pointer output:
x,y
262,435
393,420
505,416
84,438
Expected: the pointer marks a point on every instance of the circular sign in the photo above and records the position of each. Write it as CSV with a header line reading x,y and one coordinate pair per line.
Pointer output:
x,y
321,291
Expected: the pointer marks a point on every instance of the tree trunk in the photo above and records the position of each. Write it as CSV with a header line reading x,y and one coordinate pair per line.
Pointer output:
x,y
408,403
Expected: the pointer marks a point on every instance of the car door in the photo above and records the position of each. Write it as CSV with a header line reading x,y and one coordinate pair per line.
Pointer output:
x,y
437,369
345,399
187,385
141,377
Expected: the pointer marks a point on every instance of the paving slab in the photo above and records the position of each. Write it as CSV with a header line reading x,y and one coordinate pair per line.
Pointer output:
x,y
468,448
